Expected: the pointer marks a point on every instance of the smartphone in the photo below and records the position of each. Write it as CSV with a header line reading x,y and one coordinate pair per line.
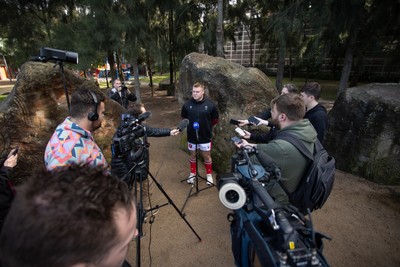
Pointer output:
x,y
240,131
253,120
234,122
15,151
236,139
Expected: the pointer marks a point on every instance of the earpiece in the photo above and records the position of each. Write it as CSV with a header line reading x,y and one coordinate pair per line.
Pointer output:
x,y
93,116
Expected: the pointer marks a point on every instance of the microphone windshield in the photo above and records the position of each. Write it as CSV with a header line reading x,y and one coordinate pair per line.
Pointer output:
x,y
144,116
196,125
183,124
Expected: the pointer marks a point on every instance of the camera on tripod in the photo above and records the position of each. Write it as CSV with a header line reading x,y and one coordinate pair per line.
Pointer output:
x,y
47,54
129,130
264,232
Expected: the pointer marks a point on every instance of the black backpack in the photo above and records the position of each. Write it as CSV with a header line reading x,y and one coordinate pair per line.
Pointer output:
x,y
317,182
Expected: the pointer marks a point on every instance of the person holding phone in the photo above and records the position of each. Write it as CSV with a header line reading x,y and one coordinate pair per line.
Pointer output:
x,y
7,192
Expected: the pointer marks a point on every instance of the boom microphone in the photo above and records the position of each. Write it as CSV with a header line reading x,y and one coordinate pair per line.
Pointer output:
x,y
143,116
183,124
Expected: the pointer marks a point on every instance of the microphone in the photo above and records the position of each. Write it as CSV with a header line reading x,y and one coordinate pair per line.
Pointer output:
x,y
269,164
196,126
183,124
143,116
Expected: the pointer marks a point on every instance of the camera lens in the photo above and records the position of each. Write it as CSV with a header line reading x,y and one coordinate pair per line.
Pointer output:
x,y
232,196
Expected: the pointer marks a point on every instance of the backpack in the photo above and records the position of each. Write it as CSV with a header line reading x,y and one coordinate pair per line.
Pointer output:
x,y
317,182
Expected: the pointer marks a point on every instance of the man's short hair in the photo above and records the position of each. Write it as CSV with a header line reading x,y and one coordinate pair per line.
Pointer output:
x,y
82,101
313,89
136,109
198,85
64,217
290,104
290,87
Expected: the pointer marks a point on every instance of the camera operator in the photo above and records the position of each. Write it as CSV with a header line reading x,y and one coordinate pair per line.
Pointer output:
x,y
6,188
287,114
137,152
72,216
122,94
72,141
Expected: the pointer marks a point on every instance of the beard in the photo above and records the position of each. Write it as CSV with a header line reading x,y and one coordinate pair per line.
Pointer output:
x,y
275,122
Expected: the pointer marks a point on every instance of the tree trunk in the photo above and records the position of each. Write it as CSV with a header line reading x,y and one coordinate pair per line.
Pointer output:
x,y
120,72
348,61
111,61
220,30
358,19
171,52
137,82
281,62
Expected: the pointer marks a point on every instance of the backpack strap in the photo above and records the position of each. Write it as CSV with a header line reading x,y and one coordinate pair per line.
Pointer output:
x,y
297,143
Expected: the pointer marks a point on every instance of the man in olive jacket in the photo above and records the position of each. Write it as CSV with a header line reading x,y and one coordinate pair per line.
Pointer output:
x,y
287,113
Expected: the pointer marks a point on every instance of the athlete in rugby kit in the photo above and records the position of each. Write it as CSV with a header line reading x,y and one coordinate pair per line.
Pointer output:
x,y
202,114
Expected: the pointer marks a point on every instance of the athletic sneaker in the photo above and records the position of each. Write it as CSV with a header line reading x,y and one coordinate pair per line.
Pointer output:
x,y
190,179
210,180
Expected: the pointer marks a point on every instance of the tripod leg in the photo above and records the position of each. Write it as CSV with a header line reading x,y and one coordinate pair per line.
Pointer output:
x,y
140,216
187,198
172,203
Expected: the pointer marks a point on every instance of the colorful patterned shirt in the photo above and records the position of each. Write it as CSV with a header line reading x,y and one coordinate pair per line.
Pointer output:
x,y
72,144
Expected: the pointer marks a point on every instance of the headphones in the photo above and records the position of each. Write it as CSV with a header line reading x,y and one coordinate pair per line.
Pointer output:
x,y
93,116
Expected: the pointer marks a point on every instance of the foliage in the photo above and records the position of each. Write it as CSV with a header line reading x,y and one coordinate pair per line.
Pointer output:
x,y
159,33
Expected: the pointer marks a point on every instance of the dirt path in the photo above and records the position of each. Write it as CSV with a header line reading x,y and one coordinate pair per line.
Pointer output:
x,y
361,217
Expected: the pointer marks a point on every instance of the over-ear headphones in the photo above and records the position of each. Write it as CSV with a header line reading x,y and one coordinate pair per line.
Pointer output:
x,y
93,115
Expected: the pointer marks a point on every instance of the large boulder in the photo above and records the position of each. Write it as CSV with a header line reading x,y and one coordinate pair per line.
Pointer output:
x,y
34,108
237,91
364,133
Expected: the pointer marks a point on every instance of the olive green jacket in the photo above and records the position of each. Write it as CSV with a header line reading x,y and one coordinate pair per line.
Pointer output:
x,y
292,163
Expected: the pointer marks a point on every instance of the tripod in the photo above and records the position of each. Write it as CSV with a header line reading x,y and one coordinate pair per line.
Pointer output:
x,y
137,173
197,176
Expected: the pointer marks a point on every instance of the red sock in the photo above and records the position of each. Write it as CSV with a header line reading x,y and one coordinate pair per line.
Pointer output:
x,y
192,166
208,165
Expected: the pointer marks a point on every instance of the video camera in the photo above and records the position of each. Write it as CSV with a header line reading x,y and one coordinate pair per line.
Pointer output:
x,y
262,230
47,54
130,129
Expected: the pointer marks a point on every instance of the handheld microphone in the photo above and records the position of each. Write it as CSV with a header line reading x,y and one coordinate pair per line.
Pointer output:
x,y
196,126
183,124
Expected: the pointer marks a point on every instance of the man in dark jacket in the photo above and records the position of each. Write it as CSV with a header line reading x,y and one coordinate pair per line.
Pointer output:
x,y
130,158
315,112
202,114
122,94
124,158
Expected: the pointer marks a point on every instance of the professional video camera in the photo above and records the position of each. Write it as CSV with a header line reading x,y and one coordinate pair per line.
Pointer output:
x,y
130,129
47,54
263,232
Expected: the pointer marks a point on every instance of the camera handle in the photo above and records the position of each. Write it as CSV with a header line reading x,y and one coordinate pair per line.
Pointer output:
x,y
253,171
